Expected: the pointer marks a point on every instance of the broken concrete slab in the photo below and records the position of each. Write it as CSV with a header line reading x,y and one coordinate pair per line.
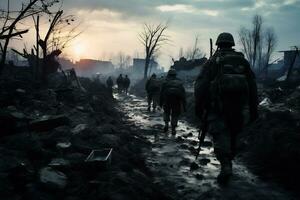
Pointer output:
x,y
79,128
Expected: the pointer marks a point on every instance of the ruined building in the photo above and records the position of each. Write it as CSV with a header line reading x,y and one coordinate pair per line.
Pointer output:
x,y
90,67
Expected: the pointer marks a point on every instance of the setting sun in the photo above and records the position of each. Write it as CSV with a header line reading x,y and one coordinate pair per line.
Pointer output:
x,y
78,49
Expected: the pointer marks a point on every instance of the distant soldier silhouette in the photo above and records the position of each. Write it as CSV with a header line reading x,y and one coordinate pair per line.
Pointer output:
x,y
152,88
172,99
126,84
223,89
120,83
110,84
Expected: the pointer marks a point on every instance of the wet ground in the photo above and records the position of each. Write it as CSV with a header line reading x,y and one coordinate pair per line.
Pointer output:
x,y
171,157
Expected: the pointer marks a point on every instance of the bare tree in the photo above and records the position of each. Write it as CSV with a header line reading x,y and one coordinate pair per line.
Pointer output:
x,y
256,35
10,19
258,43
195,52
271,42
152,37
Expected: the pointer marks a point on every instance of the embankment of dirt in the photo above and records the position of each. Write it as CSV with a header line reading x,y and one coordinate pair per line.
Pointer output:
x,y
46,135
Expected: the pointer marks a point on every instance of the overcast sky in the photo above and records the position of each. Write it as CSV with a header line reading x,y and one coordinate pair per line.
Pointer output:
x,y
111,26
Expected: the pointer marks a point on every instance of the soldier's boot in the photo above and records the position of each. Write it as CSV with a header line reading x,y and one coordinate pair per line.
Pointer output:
x,y
173,130
225,173
166,128
148,108
154,109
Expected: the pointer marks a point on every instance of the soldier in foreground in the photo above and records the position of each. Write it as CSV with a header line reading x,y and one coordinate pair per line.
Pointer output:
x,y
126,84
110,84
120,83
153,89
223,89
172,99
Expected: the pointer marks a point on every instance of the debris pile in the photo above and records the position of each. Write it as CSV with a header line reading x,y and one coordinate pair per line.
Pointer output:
x,y
270,146
48,134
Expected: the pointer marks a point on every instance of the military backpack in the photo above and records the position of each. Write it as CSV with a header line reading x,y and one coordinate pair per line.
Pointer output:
x,y
230,83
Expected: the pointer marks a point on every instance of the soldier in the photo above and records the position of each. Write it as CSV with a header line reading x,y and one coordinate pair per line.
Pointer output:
x,y
222,90
110,84
172,99
126,84
120,83
153,89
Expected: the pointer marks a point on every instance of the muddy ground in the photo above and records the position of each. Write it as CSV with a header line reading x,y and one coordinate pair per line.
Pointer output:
x,y
47,135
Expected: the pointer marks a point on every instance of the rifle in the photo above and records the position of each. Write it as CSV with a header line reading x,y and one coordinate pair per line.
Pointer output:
x,y
202,133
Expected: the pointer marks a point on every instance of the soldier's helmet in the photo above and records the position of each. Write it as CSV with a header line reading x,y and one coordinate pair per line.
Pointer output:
x,y
172,72
153,75
225,38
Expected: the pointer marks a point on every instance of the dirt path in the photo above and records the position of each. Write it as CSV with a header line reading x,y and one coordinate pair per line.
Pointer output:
x,y
171,158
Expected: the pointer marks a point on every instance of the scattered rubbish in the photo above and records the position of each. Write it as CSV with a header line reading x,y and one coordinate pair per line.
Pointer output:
x,y
100,158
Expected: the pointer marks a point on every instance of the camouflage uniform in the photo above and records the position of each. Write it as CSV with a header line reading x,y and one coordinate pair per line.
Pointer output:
x,y
173,104
226,112
153,88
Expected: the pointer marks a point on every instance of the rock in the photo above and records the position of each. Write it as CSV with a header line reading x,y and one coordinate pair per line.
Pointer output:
x,y
52,178
63,145
199,176
79,128
179,139
81,108
194,142
47,123
194,166
21,91
204,161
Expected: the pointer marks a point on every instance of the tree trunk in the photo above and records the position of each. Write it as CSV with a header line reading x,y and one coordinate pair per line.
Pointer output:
x,y
147,61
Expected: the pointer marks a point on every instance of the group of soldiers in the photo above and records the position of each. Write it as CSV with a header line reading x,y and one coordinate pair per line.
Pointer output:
x,y
123,84
169,94
223,89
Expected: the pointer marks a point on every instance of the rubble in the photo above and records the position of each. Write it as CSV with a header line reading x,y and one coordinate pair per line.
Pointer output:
x,y
73,123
